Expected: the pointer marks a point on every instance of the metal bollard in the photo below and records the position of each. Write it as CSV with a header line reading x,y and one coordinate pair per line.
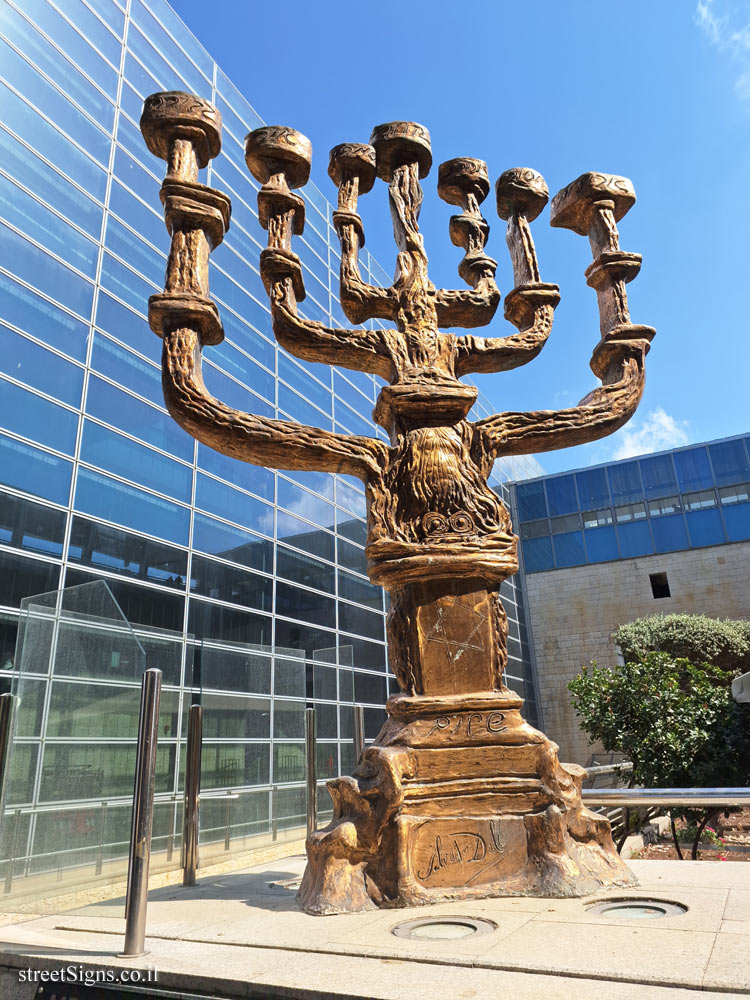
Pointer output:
x,y
359,732
312,781
191,821
143,817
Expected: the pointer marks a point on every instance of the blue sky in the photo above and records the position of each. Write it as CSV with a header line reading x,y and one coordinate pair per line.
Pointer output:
x,y
659,92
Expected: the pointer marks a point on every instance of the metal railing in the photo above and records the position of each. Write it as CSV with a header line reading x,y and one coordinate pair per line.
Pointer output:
x,y
671,798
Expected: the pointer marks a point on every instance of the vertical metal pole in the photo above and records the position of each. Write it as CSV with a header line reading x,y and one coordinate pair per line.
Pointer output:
x,y
191,821
312,780
143,816
359,731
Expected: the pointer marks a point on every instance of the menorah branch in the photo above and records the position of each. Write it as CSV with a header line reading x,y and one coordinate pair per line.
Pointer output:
x,y
351,167
598,414
279,444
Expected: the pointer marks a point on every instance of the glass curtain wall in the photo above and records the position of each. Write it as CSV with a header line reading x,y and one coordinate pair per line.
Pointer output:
x,y
684,499
96,480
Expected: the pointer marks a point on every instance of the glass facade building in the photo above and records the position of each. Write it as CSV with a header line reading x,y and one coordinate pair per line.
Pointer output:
x,y
688,498
96,480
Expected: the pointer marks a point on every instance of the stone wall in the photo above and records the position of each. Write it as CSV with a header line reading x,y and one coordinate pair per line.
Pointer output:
x,y
574,611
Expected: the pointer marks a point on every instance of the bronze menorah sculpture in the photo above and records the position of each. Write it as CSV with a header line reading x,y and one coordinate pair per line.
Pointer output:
x,y
458,797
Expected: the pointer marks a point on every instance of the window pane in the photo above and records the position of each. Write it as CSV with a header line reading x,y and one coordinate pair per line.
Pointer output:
x,y
102,546
37,268
237,364
34,471
238,669
630,512
113,501
368,688
225,583
127,326
532,503
360,653
232,543
126,284
705,527
635,539
52,187
40,134
219,498
625,482
79,51
314,643
37,367
305,570
126,368
57,107
216,621
601,544
537,554
307,505
669,505
595,518
569,549
249,477
142,420
115,453
669,533
693,469
658,476
569,522
351,556
231,392
700,500
593,488
28,525
37,418
360,622
351,528
561,495
729,461
304,536
21,577
734,494
535,529
35,315
293,602
354,589
737,520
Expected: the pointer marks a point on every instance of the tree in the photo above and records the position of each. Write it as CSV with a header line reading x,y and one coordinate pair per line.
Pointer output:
x,y
673,716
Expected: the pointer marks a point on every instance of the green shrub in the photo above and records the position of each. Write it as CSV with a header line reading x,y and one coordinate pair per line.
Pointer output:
x,y
722,643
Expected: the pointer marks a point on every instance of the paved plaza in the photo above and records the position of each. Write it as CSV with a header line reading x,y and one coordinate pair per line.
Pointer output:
x,y
241,934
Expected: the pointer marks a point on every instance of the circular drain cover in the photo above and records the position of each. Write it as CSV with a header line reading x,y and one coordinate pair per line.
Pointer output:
x,y
443,928
290,884
637,909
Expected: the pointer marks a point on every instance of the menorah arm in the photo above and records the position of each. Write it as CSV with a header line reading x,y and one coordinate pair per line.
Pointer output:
x,y
468,307
279,444
598,414
531,308
361,350
359,299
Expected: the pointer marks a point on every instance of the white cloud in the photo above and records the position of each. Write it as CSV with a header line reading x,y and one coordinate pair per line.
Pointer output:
x,y
657,431
729,37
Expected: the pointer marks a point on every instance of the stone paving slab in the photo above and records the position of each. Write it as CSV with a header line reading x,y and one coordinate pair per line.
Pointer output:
x,y
238,928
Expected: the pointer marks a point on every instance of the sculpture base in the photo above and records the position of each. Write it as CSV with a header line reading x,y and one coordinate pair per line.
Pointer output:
x,y
457,799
